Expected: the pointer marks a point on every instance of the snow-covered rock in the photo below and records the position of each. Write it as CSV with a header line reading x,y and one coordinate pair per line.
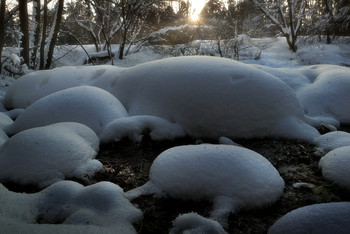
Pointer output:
x,y
36,85
68,207
195,224
48,154
134,126
331,141
335,166
214,97
231,176
88,105
322,218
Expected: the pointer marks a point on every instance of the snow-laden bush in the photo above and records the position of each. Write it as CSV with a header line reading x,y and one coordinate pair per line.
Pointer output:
x,y
195,224
68,207
88,105
45,155
335,166
214,97
231,176
322,218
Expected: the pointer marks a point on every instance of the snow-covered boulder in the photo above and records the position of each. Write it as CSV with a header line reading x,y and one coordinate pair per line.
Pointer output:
x,y
195,224
335,166
231,176
45,155
214,97
88,105
328,95
68,207
322,218
36,85
331,141
134,126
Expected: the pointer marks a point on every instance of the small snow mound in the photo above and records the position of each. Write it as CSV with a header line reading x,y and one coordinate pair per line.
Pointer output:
x,y
322,218
69,207
48,154
231,176
331,141
335,166
195,224
91,106
212,97
133,128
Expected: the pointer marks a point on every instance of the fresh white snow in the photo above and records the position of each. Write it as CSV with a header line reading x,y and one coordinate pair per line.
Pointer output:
x,y
195,224
88,105
48,154
68,207
322,218
231,176
335,166
331,141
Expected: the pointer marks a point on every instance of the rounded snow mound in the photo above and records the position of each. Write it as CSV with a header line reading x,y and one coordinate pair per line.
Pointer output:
x,y
322,218
231,176
195,224
45,155
336,166
68,207
331,141
214,97
332,87
33,86
88,105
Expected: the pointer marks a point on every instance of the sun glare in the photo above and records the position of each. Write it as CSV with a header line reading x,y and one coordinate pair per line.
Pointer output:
x,y
196,6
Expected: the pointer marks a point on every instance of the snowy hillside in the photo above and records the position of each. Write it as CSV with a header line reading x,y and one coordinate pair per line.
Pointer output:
x,y
87,123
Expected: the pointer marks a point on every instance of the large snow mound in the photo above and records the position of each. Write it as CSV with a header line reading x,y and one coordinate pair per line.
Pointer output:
x,y
231,176
45,155
68,207
214,97
336,166
36,85
195,224
322,218
88,105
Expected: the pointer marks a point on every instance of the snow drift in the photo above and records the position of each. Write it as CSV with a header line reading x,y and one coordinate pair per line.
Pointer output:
x,y
88,105
320,218
45,155
232,177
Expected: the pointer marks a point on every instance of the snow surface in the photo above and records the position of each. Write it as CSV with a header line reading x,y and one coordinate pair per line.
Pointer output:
x,y
331,141
232,177
195,224
68,207
88,105
45,155
335,166
322,218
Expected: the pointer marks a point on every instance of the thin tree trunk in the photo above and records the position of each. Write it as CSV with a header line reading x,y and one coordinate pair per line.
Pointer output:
x,y
36,5
57,25
23,18
43,38
2,28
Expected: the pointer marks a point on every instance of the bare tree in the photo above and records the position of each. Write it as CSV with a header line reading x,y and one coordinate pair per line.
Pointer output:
x,y
23,18
36,31
287,15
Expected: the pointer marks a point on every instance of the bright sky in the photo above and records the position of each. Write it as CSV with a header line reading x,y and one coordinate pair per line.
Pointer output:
x,y
197,6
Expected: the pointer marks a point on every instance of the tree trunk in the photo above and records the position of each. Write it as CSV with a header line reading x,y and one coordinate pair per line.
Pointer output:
x,y
2,28
52,42
43,38
36,9
23,18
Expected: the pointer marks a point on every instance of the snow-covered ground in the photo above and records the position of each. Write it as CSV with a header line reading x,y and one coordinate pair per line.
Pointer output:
x,y
52,123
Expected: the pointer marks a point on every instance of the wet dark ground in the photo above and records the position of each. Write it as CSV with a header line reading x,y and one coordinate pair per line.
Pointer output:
x,y
128,164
